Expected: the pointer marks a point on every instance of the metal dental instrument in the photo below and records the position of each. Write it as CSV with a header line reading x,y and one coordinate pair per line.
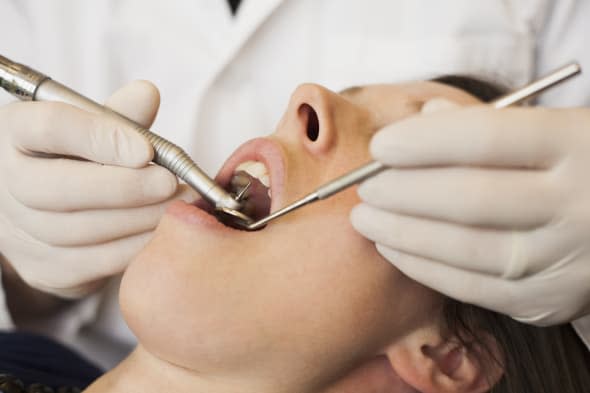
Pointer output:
x,y
30,85
368,170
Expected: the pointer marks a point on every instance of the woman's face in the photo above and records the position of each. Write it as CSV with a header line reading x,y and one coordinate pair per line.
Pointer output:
x,y
305,299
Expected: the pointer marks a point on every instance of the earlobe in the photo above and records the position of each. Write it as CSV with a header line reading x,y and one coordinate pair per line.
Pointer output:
x,y
433,364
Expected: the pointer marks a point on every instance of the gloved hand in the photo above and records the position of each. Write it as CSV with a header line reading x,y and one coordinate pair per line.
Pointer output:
x,y
491,207
67,224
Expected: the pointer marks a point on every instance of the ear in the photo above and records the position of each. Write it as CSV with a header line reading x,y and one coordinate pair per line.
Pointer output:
x,y
432,364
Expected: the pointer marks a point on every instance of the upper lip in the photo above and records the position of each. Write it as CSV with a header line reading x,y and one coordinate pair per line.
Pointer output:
x,y
265,150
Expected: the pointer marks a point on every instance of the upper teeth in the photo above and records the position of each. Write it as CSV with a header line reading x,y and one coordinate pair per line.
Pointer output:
x,y
255,169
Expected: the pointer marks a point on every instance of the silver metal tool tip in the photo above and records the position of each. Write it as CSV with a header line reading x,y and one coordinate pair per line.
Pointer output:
x,y
233,218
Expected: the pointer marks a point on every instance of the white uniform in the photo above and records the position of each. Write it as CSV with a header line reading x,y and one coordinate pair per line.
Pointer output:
x,y
227,79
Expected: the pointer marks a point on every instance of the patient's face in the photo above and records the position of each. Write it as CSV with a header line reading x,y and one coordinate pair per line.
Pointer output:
x,y
305,298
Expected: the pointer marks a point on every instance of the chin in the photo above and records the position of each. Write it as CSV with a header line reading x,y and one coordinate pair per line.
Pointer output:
x,y
181,300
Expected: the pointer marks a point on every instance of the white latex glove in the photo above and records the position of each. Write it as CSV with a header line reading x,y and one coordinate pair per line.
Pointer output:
x,y
67,224
491,207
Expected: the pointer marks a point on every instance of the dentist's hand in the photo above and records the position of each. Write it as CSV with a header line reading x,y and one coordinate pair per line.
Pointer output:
x,y
490,207
78,197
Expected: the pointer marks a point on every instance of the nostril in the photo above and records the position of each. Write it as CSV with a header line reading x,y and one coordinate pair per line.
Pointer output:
x,y
313,123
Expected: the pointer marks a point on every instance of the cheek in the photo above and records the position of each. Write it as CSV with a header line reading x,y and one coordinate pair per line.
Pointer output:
x,y
337,292
345,289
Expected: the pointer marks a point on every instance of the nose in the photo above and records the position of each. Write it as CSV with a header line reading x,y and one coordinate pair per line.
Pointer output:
x,y
313,112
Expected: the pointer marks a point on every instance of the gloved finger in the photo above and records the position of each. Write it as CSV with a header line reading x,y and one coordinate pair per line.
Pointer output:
x,y
470,287
92,226
506,254
525,300
57,128
512,137
108,259
70,185
138,101
543,302
517,199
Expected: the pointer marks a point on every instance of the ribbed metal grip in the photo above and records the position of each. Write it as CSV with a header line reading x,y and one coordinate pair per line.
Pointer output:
x,y
167,153
175,159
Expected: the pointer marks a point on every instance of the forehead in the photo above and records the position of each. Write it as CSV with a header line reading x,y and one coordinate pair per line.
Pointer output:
x,y
388,103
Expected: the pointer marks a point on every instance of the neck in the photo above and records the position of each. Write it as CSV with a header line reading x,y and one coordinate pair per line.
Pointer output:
x,y
144,372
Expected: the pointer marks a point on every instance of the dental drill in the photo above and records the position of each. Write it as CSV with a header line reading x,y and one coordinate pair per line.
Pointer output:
x,y
371,169
29,85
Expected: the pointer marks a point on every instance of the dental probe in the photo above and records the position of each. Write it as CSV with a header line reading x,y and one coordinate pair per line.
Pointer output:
x,y
368,170
30,85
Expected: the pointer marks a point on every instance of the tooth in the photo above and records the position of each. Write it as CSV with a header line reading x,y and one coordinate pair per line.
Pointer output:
x,y
240,179
255,169
244,165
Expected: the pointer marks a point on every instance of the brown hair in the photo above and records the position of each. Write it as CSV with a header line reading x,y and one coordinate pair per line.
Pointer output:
x,y
534,359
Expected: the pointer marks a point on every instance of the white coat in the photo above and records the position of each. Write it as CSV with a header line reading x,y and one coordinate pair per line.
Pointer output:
x,y
226,79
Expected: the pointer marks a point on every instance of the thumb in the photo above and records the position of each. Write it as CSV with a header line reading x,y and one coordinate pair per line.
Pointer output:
x,y
138,100
438,105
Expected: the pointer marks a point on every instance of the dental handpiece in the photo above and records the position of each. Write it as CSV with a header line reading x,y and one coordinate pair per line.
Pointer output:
x,y
30,85
371,169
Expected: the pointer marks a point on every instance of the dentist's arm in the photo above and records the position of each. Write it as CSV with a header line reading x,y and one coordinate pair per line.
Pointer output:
x,y
487,206
78,197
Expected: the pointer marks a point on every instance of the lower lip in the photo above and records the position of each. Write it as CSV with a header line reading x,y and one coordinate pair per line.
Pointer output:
x,y
195,216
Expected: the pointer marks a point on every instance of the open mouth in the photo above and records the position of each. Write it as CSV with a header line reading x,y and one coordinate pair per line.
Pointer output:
x,y
250,185
253,176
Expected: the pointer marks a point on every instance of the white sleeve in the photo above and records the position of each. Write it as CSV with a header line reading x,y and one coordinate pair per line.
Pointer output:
x,y
93,325
22,42
63,323
562,38
69,40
